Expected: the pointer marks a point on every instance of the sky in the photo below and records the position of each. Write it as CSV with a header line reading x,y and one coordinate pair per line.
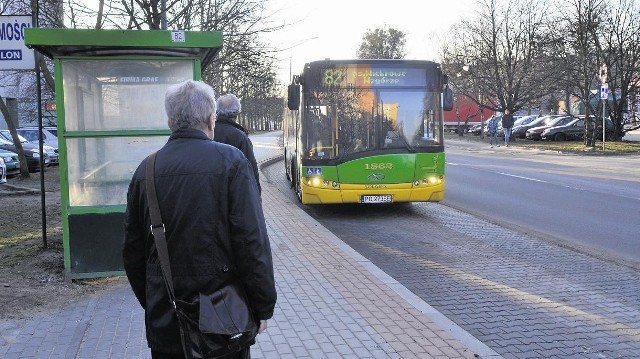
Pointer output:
x,y
320,29
333,29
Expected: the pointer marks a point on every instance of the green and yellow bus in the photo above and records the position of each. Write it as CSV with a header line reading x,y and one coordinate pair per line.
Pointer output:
x,y
367,131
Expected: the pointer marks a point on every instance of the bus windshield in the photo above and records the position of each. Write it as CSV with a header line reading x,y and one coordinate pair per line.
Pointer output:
x,y
349,121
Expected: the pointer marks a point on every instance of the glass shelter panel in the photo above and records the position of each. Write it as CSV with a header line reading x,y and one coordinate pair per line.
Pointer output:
x,y
109,95
100,168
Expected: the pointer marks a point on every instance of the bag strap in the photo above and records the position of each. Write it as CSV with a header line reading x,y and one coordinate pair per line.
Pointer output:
x,y
157,227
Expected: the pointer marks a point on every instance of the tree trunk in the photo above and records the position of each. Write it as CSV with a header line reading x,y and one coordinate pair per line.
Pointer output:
x,y
24,168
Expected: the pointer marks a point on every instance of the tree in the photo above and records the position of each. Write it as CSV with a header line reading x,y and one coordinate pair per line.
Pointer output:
x,y
579,58
621,52
382,43
49,15
244,66
499,57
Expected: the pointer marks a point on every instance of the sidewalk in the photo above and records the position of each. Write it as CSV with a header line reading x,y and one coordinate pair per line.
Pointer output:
x,y
332,303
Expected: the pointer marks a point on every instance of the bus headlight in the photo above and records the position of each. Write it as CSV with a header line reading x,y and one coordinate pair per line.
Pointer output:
x,y
319,182
315,182
432,180
435,180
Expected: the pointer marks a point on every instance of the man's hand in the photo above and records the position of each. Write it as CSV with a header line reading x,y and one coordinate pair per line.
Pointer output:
x,y
263,326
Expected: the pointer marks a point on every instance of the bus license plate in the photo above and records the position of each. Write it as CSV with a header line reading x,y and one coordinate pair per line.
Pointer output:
x,y
381,198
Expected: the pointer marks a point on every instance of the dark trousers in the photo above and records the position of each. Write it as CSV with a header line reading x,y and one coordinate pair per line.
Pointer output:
x,y
243,354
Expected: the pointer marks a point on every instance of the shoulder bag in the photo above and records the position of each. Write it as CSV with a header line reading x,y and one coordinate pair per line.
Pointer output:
x,y
213,324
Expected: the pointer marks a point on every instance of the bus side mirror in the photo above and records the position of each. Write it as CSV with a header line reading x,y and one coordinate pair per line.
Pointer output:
x,y
447,99
293,97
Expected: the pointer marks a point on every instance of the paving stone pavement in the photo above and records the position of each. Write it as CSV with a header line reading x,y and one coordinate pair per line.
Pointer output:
x,y
332,303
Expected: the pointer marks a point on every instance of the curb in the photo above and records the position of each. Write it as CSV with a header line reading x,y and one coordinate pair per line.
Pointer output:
x,y
9,190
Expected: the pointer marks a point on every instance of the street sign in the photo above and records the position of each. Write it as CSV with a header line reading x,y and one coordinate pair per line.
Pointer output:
x,y
14,54
604,91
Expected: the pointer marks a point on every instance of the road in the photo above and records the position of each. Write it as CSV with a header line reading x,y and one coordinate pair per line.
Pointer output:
x,y
589,202
522,295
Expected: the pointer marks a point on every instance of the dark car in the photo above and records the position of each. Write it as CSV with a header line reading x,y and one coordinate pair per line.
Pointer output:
x,y
520,131
30,151
536,132
573,130
11,162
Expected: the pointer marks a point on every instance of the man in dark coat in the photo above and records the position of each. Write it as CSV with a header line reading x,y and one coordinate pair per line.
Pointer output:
x,y
232,133
212,212
507,124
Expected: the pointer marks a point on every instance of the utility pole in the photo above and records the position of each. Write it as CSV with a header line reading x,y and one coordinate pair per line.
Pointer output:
x,y
163,14
604,96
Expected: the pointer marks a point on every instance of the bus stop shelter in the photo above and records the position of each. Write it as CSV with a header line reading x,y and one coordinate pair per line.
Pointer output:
x,y
110,87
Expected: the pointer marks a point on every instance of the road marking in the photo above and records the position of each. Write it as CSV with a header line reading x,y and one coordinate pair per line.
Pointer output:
x,y
525,178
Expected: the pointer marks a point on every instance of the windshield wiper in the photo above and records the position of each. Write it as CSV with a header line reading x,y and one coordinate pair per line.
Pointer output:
x,y
404,140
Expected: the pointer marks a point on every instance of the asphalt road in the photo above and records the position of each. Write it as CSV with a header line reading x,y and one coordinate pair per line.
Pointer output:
x,y
588,202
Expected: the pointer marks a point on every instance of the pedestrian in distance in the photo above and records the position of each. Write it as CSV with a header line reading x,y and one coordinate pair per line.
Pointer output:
x,y
229,131
507,124
213,221
492,129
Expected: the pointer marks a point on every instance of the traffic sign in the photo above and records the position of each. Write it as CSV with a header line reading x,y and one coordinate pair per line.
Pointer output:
x,y
604,91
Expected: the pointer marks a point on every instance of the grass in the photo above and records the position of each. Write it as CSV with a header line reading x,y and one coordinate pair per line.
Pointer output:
x,y
578,146
17,256
19,246
19,238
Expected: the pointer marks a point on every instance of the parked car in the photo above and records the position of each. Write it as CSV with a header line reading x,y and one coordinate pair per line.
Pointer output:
x,y
11,162
52,152
536,132
476,129
31,134
573,130
30,151
3,171
52,129
523,120
521,130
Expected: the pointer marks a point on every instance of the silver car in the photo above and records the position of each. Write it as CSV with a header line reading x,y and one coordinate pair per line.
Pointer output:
x,y
51,151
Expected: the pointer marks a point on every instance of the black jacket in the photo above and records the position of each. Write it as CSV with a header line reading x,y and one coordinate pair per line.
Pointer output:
x,y
215,229
228,131
507,121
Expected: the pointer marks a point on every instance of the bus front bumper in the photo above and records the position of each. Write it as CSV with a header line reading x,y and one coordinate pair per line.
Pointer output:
x,y
356,193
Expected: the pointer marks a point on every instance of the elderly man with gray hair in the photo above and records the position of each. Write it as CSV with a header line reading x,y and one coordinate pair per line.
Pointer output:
x,y
232,133
214,224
